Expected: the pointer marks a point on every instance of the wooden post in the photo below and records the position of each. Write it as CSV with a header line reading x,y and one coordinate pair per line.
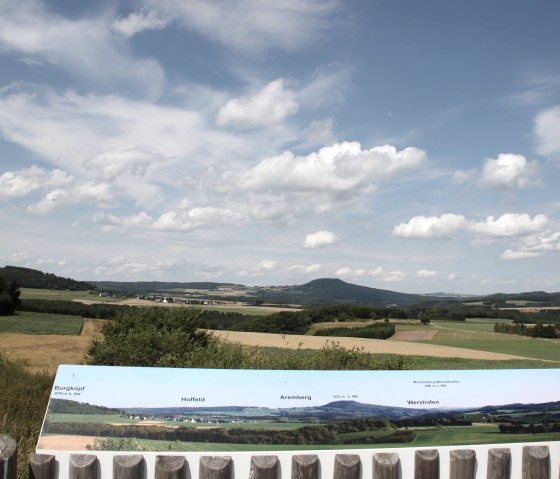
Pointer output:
x,y
426,464
41,466
8,457
536,462
462,464
83,466
386,465
499,463
347,466
128,467
264,467
305,466
170,467
215,467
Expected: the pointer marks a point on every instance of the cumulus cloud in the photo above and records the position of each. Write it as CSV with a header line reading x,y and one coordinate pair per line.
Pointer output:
x,y
85,46
122,266
133,159
265,266
187,219
547,126
334,173
22,182
509,172
251,25
427,227
388,276
320,239
111,222
509,225
426,274
270,105
511,254
100,194
303,269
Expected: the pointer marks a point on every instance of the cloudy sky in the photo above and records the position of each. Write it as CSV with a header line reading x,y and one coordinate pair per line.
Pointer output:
x,y
412,146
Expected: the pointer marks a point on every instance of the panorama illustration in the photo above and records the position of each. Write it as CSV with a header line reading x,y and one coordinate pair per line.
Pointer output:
x,y
156,409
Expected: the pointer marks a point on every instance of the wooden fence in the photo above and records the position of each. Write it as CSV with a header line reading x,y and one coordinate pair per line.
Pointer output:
x,y
498,463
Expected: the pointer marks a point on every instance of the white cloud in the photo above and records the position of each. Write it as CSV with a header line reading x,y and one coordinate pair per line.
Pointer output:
x,y
22,182
265,266
319,239
111,222
99,193
85,46
387,276
270,105
510,254
302,269
251,25
426,274
137,22
187,219
133,159
509,225
542,242
334,173
86,125
461,177
509,172
344,272
427,227
547,126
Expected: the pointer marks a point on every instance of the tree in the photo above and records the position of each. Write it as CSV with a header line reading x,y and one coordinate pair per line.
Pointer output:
x,y
9,297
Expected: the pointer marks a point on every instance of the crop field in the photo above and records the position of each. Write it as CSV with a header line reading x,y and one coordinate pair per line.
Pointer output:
x,y
66,295
475,324
537,348
25,322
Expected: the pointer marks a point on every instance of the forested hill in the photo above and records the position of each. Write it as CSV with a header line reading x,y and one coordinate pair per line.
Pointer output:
x,y
335,291
32,278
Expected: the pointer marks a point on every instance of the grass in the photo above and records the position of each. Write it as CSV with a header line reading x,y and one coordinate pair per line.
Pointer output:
x,y
472,324
63,295
450,335
25,322
22,407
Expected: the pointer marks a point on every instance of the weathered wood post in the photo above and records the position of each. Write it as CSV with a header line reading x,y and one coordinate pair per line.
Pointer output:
x,y
170,467
462,464
8,457
305,466
41,466
347,466
499,463
386,465
536,462
215,467
264,467
426,464
83,466
128,467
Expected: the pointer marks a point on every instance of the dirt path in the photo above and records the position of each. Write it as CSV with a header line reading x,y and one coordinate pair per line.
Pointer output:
x,y
369,345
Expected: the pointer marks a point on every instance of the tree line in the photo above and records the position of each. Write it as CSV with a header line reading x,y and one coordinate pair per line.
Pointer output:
x,y
9,297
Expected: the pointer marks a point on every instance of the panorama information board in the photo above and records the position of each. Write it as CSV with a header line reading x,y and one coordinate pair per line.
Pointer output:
x,y
163,409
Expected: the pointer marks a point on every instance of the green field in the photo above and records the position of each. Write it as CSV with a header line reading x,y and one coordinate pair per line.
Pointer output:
x,y
471,324
453,334
66,295
26,322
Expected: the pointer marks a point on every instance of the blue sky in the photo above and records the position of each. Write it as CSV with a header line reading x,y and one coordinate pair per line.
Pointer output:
x,y
134,387
412,146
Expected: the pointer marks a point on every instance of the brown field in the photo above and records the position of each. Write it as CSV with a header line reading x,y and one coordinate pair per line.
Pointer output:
x,y
46,352
66,443
369,345
417,335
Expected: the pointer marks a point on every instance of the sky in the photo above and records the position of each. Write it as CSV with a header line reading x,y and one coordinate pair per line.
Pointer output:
x,y
402,145
123,387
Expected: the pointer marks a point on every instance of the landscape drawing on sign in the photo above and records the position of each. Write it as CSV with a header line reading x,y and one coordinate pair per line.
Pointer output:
x,y
161,409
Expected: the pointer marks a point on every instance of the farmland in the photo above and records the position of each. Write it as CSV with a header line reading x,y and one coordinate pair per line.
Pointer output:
x,y
25,322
